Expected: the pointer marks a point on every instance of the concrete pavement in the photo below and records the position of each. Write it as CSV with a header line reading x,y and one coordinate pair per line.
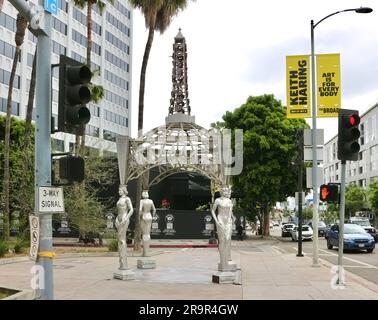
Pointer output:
x,y
186,273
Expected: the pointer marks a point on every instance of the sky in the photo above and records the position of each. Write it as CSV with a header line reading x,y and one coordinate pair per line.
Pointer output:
x,y
238,48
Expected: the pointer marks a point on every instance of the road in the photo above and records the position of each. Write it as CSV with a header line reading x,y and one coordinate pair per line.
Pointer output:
x,y
361,263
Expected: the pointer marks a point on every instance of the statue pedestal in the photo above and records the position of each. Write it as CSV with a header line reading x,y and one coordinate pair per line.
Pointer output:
x,y
124,274
224,277
231,266
146,263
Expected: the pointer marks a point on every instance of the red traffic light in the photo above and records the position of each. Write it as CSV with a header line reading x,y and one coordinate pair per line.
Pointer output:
x,y
329,192
324,192
354,120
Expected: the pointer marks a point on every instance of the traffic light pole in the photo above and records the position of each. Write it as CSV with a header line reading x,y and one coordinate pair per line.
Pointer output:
x,y
300,189
43,156
40,23
340,271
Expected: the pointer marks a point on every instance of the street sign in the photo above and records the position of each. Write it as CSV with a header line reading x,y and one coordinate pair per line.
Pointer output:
x,y
308,153
51,6
34,237
319,177
50,199
307,137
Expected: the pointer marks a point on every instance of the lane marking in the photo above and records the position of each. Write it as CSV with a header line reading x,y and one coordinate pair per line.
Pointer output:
x,y
350,259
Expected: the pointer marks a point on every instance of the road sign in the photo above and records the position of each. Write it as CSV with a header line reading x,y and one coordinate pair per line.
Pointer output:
x,y
51,6
319,177
50,199
34,237
307,137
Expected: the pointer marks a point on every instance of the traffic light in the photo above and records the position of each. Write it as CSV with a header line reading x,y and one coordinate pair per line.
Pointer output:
x,y
329,192
74,94
71,168
348,146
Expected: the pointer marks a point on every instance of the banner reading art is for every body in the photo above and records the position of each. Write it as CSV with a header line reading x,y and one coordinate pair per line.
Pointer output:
x,y
328,85
298,86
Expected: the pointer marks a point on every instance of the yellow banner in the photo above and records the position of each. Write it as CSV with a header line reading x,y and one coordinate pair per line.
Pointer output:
x,y
298,86
328,85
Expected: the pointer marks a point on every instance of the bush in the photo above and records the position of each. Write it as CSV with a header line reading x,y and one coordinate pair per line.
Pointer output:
x,y
20,245
3,248
113,245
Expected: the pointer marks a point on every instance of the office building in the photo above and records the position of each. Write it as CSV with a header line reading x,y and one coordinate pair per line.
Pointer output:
x,y
365,170
110,59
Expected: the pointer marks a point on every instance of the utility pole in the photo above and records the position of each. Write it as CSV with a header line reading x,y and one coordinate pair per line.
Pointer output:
x,y
40,22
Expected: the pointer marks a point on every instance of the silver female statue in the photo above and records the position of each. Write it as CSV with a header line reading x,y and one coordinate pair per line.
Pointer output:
x,y
223,222
146,208
125,210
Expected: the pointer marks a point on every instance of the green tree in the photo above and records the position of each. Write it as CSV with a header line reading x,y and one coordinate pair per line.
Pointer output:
x,y
157,15
87,206
269,174
372,194
21,24
21,200
355,199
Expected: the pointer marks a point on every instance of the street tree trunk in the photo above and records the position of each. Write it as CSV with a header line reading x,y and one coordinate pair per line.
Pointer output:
x,y
142,83
89,50
266,226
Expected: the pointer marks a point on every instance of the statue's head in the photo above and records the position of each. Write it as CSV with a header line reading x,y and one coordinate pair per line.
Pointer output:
x,y
145,194
225,191
122,190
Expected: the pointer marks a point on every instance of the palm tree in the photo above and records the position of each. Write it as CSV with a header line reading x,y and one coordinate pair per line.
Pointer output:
x,y
21,24
157,15
97,91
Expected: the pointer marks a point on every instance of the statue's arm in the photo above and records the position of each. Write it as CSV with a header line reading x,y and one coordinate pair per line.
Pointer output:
x,y
213,209
130,206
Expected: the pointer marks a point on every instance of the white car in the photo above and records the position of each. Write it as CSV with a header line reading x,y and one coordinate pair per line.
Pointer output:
x,y
307,233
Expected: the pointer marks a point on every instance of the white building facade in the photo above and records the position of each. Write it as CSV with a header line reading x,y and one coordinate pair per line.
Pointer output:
x,y
111,60
365,170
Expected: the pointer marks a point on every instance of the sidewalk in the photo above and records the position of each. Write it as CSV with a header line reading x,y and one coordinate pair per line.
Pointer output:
x,y
186,273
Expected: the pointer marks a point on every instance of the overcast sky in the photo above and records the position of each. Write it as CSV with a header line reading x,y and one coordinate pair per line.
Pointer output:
x,y
237,48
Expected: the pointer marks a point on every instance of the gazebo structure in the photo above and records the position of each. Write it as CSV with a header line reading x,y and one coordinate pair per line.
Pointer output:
x,y
180,145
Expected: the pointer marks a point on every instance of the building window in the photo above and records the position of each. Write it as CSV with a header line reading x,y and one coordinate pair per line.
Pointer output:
x,y
116,118
109,135
116,99
8,22
118,81
362,183
81,39
116,61
7,49
15,107
361,170
59,26
5,78
63,5
118,24
82,18
58,48
57,145
117,42
92,131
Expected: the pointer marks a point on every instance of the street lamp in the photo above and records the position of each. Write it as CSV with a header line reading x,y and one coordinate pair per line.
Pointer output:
x,y
313,132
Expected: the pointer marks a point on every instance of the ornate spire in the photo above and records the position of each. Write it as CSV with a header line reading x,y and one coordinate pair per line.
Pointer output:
x,y
179,102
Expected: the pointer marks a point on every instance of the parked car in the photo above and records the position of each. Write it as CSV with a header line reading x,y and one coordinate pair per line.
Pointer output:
x,y
355,238
365,223
307,233
286,229
321,228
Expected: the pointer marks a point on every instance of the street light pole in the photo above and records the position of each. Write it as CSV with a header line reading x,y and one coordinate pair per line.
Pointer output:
x,y
315,216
